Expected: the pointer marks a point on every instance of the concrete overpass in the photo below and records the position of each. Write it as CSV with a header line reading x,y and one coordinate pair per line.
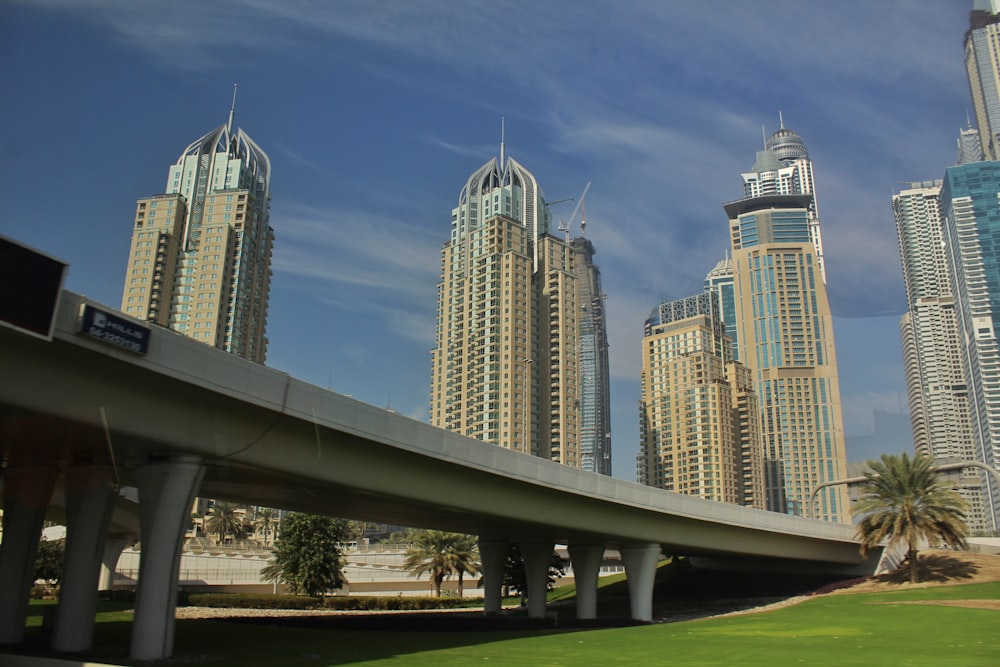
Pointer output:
x,y
83,416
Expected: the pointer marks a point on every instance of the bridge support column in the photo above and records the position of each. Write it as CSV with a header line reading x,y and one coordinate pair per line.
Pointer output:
x,y
167,487
27,489
90,497
113,547
537,558
586,560
640,568
492,553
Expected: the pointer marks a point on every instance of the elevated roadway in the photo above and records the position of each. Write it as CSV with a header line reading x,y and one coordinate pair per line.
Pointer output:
x,y
84,416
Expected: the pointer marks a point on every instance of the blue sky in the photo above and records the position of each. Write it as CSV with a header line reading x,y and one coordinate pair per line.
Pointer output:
x,y
374,113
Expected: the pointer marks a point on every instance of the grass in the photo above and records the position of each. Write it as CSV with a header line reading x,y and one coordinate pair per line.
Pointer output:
x,y
853,629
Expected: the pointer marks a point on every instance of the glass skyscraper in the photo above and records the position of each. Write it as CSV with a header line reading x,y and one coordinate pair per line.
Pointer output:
x,y
970,213
595,397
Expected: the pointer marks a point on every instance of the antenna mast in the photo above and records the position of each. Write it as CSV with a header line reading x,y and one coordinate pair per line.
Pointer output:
x,y
502,147
232,110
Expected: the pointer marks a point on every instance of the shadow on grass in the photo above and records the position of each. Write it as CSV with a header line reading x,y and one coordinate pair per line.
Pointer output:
x,y
305,639
681,592
937,568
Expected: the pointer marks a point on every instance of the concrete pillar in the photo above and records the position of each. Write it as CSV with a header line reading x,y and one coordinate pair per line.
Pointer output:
x,y
586,566
167,487
90,497
113,547
640,568
27,489
537,558
493,553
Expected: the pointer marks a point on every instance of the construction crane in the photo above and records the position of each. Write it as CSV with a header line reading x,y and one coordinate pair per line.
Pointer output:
x,y
565,225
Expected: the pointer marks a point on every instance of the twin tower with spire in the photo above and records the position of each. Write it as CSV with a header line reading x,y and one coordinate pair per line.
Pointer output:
x,y
200,259
520,357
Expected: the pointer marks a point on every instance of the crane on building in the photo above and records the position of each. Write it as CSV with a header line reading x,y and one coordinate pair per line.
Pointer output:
x,y
565,225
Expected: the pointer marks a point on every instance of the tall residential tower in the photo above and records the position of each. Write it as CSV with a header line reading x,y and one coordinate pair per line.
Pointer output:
x,y
937,393
786,339
982,63
200,261
699,424
520,353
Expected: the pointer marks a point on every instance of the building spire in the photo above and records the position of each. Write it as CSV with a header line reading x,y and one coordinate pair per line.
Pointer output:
x,y
232,111
781,119
763,135
502,147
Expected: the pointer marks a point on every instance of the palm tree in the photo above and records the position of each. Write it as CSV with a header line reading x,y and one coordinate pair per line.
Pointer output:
x,y
266,521
464,555
440,554
223,519
904,501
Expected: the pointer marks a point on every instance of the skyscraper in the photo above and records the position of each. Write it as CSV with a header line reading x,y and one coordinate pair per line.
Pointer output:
x,y
719,282
937,392
200,260
784,168
595,397
971,224
982,63
699,425
516,306
786,340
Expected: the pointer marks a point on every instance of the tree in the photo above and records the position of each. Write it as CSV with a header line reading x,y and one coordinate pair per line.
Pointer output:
x,y
266,521
307,556
356,531
224,520
49,560
904,501
515,576
439,555
464,557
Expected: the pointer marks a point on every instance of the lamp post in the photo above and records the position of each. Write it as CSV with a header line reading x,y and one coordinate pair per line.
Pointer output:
x,y
857,480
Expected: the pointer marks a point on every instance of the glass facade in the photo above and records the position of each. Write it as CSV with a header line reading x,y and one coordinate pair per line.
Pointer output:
x,y
970,209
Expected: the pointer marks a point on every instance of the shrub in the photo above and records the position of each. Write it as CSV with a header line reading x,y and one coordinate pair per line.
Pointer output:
x,y
252,601
391,603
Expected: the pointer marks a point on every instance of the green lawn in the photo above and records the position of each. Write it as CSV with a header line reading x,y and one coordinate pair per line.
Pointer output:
x,y
861,629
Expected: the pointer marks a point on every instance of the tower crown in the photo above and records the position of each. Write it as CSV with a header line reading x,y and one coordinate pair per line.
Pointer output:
x,y
787,145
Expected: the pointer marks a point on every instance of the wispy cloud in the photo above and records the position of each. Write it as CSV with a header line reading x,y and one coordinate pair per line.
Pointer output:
x,y
362,263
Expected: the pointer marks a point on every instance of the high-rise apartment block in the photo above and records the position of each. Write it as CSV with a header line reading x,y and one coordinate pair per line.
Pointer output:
x,y
937,392
200,261
699,424
970,217
786,340
982,63
520,352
